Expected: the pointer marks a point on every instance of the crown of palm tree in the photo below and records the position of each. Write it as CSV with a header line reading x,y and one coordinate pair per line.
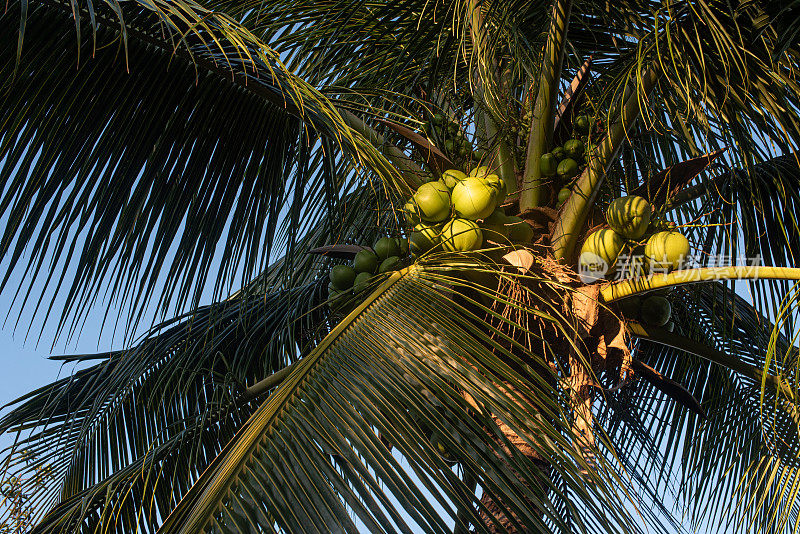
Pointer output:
x,y
149,149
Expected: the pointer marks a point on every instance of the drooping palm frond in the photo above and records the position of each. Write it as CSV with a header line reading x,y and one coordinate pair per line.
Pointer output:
x,y
136,160
126,437
311,457
706,462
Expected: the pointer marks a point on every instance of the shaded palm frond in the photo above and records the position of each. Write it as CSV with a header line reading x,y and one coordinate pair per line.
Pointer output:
x,y
136,167
311,457
704,463
128,435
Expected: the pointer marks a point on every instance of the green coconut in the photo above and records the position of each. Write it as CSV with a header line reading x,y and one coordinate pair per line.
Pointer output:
x,y
474,199
519,231
438,119
548,165
629,216
433,201
391,263
361,281
402,245
655,311
582,124
599,254
342,276
670,326
499,185
366,261
667,250
495,227
461,235
574,149
411,212
558,153
386,247
479,172
424,238
334,292
567,168
563,195
451,177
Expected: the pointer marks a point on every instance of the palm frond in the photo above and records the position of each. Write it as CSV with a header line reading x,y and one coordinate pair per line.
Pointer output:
x,y
161,410
311,459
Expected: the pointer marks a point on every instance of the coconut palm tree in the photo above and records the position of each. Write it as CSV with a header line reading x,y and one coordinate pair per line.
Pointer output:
x,y
151,149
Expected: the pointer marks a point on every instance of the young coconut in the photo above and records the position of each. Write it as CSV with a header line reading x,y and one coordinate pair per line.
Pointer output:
x,y
496,227
629,216
474,199
391,263
479,172
451,177
519,231
567,168
599,254
667,250
386,247
366,261
548,165
461,235
342,276
433,201
361,282
424,238
574,149
655,311
499,185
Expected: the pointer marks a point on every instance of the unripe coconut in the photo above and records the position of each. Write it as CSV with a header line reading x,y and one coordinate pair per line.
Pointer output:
x,y
499,186
451,177
667,250
548,165
361,281
461,235
670,326
474,199
519,231
655,311
433,201
386,247
563,195
582,124
629,216
391,263
334,292
402,245
599,254
558,153
479,172
411,211
567,168
438,119
574,149
366,261
423,238
342,276
494,226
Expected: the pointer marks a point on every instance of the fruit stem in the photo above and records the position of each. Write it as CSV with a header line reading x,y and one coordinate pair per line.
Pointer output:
x,y
573,216
624,288
541,129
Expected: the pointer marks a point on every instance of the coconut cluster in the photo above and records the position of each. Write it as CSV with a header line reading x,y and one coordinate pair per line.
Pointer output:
x,y
450,137
568,160
460,213
629,221
387,254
